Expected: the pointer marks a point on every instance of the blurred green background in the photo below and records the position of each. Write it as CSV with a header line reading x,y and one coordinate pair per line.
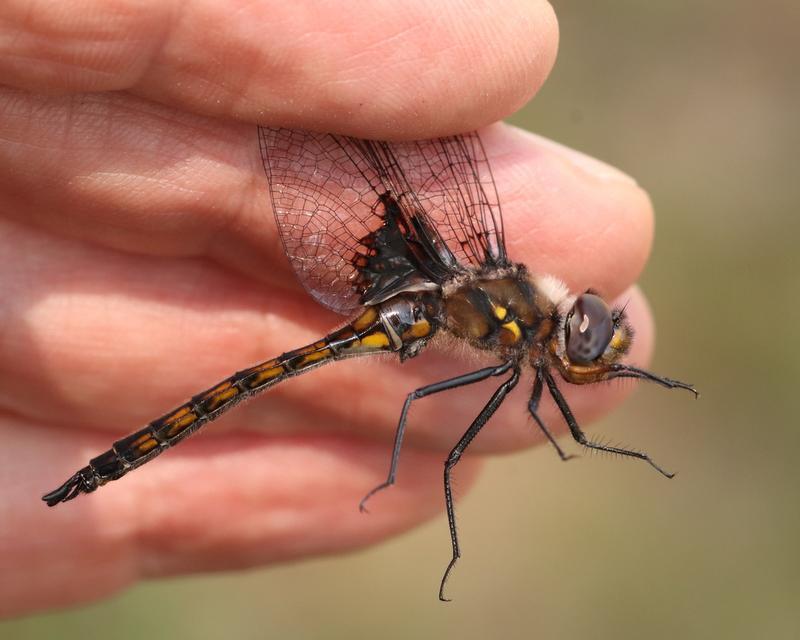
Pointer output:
x,y
699,101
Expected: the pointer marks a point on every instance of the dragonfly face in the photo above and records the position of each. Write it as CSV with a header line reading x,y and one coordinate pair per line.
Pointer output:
x,y
407,239
592,340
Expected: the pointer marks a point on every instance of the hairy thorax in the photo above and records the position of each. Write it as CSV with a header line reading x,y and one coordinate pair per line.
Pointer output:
x,y
506,313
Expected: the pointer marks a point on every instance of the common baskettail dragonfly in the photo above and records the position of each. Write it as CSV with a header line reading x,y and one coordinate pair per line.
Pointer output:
x,y
406,238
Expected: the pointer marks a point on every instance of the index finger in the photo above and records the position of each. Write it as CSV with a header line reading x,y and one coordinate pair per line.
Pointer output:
x,y
413,69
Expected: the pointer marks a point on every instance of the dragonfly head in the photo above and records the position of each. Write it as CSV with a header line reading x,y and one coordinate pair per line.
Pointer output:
x,y
593,339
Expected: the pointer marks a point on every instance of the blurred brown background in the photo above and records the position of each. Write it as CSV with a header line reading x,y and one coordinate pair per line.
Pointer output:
x,y
699,101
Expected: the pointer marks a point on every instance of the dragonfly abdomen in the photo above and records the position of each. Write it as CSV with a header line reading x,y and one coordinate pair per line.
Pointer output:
x,y
396,325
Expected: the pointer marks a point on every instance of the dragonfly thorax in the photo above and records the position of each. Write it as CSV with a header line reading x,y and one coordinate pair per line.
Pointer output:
x,y
506,313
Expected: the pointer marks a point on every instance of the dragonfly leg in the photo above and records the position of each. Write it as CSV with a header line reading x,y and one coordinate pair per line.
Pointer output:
x,y
437,387
581,438
455,455
533,408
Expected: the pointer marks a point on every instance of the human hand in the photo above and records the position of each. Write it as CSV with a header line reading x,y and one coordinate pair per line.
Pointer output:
x,y
139,263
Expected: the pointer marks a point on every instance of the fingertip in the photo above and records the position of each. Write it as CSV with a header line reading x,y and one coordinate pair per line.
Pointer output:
x,y
398,71
406,73
569,215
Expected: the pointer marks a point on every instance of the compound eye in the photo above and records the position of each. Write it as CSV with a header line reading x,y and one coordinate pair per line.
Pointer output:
x,y
589,329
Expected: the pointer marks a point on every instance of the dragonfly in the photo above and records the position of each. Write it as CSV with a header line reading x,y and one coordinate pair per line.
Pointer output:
x,y
407,240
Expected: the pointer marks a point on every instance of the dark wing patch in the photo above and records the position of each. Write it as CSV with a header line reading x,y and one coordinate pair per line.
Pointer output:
x,y
394,262
331,195
451,181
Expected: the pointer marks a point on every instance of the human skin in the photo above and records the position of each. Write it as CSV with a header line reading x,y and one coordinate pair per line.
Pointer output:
x,y
140,263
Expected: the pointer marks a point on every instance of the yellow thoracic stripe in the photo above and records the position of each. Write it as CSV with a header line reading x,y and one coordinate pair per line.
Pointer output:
x,y
513,327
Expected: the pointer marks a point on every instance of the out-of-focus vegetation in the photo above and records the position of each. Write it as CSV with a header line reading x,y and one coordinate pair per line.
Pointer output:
x,y
700,102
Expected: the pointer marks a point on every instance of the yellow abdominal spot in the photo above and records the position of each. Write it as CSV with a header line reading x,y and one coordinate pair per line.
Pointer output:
x,y
419,329
265,375
500,313
147,445
216,400
316,355
180,424
367,318
375,340
180,412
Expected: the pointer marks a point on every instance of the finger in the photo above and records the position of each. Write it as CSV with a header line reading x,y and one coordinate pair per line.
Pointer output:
x,y
210,505
133,176
568,214
381,69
